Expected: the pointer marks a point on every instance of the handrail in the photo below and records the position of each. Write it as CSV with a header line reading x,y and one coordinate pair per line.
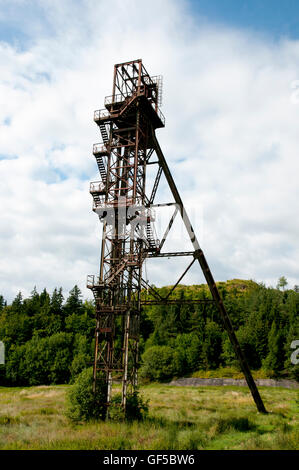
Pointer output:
x,y
92,281
145,214
104,113
100,113
99,147
111,99
97,186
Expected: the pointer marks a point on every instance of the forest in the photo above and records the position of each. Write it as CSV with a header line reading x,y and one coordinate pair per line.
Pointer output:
x,y
50,340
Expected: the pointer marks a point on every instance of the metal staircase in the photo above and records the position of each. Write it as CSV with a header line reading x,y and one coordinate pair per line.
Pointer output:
x,y
104,132
153,244
102,168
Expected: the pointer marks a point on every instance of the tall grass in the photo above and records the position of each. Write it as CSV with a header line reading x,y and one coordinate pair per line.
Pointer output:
x,y
180,418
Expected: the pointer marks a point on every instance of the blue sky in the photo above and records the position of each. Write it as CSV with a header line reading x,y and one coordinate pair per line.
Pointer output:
x,y
19,22
275,18
231,102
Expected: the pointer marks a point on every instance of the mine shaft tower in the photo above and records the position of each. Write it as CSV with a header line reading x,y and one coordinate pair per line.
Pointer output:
x,y
125,205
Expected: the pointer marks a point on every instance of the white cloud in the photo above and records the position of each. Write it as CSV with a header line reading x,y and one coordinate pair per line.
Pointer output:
x,y
231,138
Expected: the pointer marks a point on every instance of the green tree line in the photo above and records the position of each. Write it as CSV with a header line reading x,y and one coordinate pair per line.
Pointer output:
x,y
187,338
47,340
50,340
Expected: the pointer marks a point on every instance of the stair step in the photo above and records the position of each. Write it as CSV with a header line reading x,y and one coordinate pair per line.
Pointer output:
x,y
102,169
104,133
150,237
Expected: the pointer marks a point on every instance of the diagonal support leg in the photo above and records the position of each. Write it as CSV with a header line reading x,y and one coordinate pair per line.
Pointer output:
x,y
198,254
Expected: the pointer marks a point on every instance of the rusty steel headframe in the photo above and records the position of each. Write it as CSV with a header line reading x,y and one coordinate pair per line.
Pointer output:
x,y
124,204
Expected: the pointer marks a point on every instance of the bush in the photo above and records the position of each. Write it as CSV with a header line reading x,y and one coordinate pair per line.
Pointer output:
x,y
82,403
136,407
159,363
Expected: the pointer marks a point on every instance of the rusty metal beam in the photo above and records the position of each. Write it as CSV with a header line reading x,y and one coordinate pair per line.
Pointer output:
x,y
179,280
170,254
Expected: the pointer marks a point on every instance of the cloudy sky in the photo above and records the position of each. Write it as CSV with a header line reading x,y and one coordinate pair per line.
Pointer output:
x,y
231,102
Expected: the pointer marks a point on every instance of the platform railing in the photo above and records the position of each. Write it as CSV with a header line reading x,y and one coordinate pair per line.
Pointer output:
x,y
97,187
101,113
104,113
92,281
99,148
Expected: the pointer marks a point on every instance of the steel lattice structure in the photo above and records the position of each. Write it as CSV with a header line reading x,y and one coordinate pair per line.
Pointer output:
x,y
126,207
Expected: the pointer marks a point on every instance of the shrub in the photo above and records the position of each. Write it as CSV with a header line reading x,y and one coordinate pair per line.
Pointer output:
x,y
159,363
82,403
79,363
116,411
136,407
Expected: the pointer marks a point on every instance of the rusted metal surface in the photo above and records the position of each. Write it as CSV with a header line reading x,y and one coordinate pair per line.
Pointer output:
x,y
125,206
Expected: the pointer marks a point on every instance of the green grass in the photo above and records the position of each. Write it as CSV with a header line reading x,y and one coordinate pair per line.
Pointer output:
x,y
180,418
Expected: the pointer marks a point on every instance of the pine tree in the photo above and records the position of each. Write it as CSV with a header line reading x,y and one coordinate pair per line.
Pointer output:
x,y
74,303
56,301
275,358
18,303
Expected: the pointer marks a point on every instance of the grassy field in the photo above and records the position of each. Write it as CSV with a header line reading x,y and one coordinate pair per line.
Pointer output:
x,y
180,418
